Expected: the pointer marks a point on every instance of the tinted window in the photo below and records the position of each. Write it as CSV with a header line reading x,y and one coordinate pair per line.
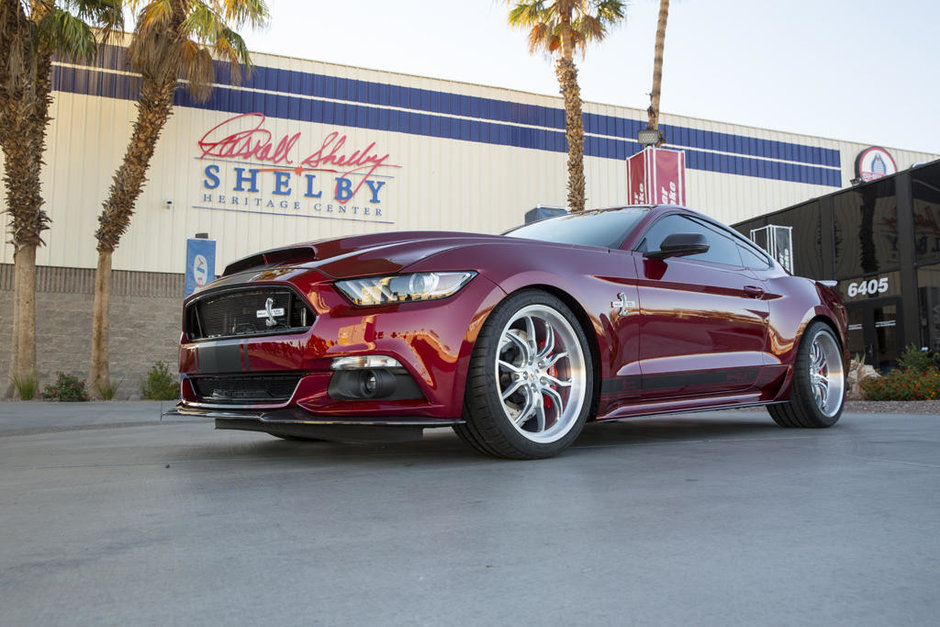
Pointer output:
x,y
925,189
720,247
605,229
753,259
866,229
752,254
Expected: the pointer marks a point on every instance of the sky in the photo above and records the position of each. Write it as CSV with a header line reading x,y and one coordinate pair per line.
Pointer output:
x,y
855,70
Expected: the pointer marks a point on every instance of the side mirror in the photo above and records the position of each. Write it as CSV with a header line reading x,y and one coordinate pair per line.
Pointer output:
x,y
680,245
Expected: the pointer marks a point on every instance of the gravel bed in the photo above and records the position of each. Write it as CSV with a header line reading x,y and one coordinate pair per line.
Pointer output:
x,y
894,407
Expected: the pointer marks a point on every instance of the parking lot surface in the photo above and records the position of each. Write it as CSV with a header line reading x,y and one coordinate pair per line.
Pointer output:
x,y
111,514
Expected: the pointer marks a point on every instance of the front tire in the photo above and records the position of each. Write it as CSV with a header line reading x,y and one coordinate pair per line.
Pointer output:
x,y
818,394
531,380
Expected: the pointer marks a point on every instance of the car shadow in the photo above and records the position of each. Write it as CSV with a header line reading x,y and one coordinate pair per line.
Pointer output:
x,y
443,445
677,428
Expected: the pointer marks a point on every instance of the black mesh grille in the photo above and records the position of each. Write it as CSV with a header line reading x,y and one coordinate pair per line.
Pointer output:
x,y
259,311
243,389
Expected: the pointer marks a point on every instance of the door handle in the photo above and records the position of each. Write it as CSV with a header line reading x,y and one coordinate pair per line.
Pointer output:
x,y
754,291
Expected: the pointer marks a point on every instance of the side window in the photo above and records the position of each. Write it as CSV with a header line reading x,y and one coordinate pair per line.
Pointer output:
x,y
754,260
721,249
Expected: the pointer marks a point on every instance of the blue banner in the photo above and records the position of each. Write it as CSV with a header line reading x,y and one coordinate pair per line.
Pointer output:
x,y
200,263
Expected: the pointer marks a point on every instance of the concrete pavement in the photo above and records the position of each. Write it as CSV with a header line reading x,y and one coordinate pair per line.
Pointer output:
x,y
110,516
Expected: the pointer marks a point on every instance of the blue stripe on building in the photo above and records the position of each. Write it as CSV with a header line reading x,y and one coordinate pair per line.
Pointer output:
x,y
425,112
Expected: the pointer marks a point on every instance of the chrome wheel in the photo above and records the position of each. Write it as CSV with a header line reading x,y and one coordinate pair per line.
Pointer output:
x,y
817,393
540,374
826,374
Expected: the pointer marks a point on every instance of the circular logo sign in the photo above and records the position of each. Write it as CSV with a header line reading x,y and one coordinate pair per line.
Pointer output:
x,y
200,270
874,163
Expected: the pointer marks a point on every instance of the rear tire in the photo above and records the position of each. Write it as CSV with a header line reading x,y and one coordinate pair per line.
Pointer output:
x,y
531,380
818,393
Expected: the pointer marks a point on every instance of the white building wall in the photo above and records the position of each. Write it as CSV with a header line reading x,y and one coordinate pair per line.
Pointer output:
x,y
438,182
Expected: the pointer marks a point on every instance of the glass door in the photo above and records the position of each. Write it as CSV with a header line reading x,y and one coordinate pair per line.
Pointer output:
x,y
875,331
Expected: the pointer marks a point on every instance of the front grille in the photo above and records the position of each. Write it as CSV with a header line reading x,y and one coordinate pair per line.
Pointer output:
x,y
255,311
245,389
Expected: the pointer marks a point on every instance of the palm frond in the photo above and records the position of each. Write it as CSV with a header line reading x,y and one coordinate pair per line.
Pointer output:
x,y
238,12
153,13
67,34
527,13
548,23
234,49
198,69
107,15
202,22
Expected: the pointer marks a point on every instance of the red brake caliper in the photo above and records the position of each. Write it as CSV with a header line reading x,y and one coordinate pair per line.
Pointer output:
x,y
552,372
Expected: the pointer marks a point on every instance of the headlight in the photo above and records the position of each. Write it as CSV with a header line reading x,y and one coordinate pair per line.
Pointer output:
x,y
403,288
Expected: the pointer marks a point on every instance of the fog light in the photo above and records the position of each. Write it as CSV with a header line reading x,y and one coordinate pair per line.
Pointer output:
x,y
369,383
373,384
376,384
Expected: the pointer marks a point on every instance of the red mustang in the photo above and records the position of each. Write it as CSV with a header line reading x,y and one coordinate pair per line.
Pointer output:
x,y
513,340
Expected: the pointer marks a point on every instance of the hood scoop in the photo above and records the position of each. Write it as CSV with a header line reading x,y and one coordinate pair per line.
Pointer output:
x,y
269,258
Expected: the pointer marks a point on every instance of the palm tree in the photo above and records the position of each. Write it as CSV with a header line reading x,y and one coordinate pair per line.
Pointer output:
x,y
561,28
173,39
653,111
30,33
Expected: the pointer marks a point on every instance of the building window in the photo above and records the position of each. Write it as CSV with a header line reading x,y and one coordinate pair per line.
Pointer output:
x,y
928,292
925,192
866,229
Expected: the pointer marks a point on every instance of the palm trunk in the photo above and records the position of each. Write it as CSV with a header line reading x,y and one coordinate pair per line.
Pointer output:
x,y
574,130
153,109
567,75
24,278
653,111
24,116
23,349
99,327
14,341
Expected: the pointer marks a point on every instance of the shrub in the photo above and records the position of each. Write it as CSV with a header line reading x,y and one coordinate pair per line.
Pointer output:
x,y
66,388
904,385
107,390
159,385
26,387
915,359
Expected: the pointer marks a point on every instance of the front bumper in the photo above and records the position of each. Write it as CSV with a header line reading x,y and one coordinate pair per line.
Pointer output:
x,y
431,340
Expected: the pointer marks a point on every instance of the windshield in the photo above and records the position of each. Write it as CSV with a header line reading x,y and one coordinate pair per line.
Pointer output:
x,y
604,229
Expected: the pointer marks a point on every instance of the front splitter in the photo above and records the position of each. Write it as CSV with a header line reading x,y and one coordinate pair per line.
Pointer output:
x,y
296,423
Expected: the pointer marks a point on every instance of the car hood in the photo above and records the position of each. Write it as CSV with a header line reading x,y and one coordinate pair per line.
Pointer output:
x,y
361,255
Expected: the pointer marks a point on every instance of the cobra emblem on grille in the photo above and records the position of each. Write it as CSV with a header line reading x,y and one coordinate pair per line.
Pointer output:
x,y
270,312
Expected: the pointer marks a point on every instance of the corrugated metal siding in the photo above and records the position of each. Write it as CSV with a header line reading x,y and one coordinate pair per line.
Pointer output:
x,y
471,158
53,279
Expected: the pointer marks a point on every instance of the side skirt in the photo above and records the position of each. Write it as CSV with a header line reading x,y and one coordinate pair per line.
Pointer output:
x,y
635,410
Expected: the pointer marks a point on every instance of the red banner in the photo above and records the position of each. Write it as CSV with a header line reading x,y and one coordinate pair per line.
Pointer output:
x,y
636,179
656,177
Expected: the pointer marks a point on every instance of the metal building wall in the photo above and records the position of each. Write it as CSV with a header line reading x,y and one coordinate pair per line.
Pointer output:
x,y
465,157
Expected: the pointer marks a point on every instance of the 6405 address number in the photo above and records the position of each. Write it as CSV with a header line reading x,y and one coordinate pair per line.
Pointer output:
x,y
868,288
